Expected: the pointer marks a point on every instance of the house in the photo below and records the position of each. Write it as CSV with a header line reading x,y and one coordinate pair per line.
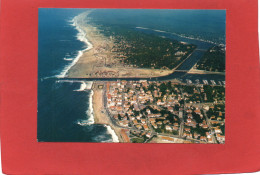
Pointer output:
x,y
145,127
132,118
212,117
203,138
148,134
189,111
138,126
138,117
159,102
112,107
125,123
168,128
190,116
189,136
157,115
218,131
166,121
135,122
170,109
220,138
119,108
204,126
208,135
159,123
154,125
187,129
152,120
175,128
210,140
109,97
197,111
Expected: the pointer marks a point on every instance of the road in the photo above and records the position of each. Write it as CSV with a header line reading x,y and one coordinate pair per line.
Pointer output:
x,y
201,104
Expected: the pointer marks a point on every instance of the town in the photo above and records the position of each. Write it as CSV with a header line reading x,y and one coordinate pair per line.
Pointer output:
x,y
167,111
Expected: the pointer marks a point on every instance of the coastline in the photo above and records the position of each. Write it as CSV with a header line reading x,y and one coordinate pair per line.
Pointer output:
x,y
97,60
95,105
101,116
81,36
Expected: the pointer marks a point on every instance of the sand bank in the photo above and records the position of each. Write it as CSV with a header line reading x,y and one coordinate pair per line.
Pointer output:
x,y
197,71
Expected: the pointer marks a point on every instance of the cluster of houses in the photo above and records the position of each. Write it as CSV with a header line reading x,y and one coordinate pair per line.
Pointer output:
x,y
217,121
125,100
134,105
192,97
190,124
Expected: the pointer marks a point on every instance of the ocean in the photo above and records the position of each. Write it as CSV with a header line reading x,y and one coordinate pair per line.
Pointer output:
x,y
64,105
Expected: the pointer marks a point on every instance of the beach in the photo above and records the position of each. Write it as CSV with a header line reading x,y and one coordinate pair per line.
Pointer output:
x,y
83,66
98,60
102,117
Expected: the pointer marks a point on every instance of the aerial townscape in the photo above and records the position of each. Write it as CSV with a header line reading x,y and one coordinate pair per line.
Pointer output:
x,y
143,84
164,112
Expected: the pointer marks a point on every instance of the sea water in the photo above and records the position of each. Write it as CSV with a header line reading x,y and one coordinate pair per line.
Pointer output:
x,y
64,105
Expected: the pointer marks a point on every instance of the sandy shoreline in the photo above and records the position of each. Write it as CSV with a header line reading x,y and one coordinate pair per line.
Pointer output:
x,y
100,114
197,71
99,61
83,64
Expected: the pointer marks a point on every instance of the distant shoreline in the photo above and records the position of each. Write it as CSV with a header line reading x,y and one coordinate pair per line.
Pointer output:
x,y
93,61
182,36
